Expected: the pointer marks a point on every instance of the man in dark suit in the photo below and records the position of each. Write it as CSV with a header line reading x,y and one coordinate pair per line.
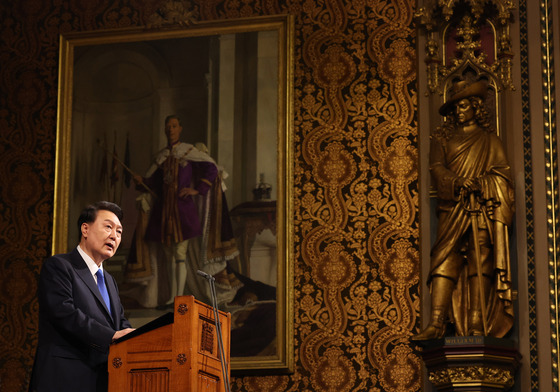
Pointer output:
x,y
76,325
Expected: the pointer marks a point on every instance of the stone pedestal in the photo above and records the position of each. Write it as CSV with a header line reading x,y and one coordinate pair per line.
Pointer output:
x,y
470,363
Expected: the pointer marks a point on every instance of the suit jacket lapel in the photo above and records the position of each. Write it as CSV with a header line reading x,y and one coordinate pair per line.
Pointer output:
x,y
84,273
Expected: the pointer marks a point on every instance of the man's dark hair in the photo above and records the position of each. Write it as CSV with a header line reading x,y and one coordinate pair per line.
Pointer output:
x,y
172,116
89,214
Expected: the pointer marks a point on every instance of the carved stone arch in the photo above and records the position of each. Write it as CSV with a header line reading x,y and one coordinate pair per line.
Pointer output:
x,y
100,111
486,35
458,32
139,67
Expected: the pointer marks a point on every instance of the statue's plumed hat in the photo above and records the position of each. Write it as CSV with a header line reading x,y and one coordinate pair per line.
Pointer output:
x,y
463,89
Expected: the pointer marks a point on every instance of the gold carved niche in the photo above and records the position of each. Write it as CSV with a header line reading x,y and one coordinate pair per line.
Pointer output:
x,y
474,36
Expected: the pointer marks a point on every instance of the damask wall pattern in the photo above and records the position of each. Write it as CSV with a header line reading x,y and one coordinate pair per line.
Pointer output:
x,y
356,270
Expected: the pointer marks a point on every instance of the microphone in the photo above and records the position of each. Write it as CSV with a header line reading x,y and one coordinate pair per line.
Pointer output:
x,y
205,275
211,280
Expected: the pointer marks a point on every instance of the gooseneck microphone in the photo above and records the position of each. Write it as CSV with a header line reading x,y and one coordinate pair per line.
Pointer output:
x,y
211,280
205,275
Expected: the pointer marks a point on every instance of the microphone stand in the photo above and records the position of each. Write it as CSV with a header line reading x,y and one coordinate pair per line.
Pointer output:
x,y
211,280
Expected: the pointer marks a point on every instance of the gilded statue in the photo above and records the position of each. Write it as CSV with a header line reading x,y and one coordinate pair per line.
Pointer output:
x,y
470,269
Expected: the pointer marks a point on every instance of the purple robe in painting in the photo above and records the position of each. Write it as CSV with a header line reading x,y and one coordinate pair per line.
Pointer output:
x,y
183,166
203,218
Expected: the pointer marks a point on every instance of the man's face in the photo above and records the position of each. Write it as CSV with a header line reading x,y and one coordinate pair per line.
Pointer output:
x,y
173,130
101,238
464,111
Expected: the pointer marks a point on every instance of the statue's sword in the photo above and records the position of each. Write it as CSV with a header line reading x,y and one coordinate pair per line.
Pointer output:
x,y
473,212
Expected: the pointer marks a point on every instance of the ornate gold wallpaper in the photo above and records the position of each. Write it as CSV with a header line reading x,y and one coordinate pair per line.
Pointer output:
x,y
355,175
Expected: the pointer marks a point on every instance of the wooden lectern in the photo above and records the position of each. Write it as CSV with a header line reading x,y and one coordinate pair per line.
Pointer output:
x,y
177,352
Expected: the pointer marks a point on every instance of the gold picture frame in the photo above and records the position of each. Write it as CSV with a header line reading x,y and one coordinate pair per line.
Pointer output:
x,y
115,88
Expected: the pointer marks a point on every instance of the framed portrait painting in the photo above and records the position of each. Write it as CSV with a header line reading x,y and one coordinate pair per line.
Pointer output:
x,y
228,85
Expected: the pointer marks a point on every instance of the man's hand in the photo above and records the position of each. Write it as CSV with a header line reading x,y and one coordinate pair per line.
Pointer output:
x,y
469,184
122,332
186,192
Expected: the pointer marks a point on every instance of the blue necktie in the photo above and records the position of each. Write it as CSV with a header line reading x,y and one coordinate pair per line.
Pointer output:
x,y
103,289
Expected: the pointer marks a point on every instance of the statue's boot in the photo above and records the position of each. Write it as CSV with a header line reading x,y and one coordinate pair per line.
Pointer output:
x,y
475,321
442,289
476,326
436,327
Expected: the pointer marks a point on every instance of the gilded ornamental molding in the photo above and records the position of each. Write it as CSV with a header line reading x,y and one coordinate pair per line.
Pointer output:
x,y
468,36
474,376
